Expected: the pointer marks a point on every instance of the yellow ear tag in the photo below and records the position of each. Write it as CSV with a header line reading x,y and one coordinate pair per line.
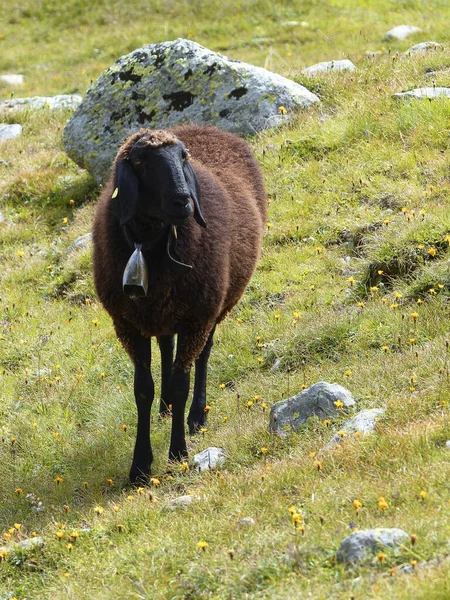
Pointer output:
x,y
115,193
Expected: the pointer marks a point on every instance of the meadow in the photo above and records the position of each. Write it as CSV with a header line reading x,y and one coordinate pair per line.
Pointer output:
x,y
353,287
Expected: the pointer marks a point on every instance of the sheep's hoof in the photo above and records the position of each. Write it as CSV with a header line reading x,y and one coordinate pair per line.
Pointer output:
x,y
178,455
138,476
165,413
196,426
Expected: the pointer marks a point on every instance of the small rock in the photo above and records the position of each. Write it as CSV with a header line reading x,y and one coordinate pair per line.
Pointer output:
x,y
181,502
29,544
12,79
81,242
364,422
63,101
332,65
43,372
434,74
9,132
424,47
276,366
447,445
359,546
209,459
319,400
401,32
246,522
421,93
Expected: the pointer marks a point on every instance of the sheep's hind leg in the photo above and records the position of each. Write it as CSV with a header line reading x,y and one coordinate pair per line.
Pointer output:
x,y
166,346
144,391
197,415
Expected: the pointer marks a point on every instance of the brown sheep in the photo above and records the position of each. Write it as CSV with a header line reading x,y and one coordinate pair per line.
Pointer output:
x,y
193,198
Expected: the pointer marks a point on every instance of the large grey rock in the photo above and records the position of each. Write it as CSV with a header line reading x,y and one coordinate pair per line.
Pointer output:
x,y
401,32
359,546
9,132
63,101
12,79
423,93
160,85
364,422
209,459
424,47
319,400
331,65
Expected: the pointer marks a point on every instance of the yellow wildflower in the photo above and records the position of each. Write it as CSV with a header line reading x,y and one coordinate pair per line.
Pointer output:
x,y
357,505
382,504
202,545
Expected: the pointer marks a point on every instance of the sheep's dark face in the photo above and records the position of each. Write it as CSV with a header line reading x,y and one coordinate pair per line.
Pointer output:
x,y
161,171
157,181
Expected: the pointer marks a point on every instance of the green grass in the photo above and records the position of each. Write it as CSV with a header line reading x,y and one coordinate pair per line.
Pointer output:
x,y
357,186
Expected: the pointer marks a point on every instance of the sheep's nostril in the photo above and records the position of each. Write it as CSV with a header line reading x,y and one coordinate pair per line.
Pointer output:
x,y
182,201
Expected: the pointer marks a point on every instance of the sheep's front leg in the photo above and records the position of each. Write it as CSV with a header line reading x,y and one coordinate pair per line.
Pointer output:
x,y
166,347
144,392
197,414
190,343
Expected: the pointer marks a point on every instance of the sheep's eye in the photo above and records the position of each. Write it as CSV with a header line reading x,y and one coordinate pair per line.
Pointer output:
x,y
137,162
184,155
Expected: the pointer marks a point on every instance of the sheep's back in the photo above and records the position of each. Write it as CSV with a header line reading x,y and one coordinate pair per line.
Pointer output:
x,y
236,171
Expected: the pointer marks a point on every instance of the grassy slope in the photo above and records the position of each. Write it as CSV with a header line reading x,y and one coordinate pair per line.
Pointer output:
x,y
347,179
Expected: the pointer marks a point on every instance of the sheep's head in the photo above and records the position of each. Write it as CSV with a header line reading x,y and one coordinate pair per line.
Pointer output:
x,y
155,179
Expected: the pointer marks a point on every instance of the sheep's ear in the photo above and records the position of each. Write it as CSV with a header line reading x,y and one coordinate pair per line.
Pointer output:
x,y
194,190
125,197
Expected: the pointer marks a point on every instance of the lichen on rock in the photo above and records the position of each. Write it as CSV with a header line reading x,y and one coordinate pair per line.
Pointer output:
x,y
161,85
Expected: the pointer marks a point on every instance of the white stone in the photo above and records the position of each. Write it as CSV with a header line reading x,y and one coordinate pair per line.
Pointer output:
x,y
331,65
246,522
424,47
364,422
161,85
82,241
447,444
63,101
401,32
9,132
359,546
12,79
180,502
209,459
423,93
28,544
